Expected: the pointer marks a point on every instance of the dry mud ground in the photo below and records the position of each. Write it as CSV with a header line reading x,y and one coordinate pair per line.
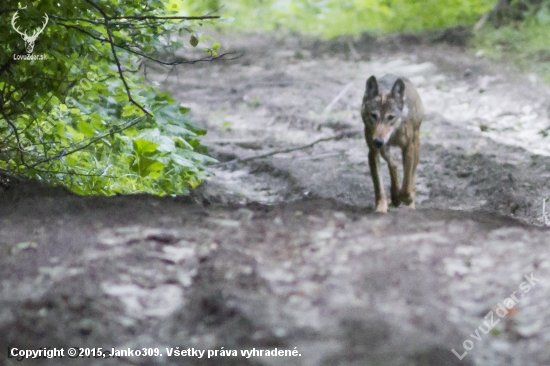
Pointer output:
x,y
285,252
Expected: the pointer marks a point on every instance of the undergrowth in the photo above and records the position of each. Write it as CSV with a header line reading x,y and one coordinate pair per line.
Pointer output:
x,y
523,44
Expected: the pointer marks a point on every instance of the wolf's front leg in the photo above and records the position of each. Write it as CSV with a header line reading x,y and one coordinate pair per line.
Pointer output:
x,y
379,194
394,191
410,159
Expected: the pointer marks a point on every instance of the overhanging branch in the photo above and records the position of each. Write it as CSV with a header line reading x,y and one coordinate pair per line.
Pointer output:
x,y
138,18
162,62
117,61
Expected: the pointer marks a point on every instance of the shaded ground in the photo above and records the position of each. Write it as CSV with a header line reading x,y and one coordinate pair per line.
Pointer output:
x,y
285,252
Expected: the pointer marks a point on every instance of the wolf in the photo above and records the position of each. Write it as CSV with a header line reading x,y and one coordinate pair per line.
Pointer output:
x,y
392,113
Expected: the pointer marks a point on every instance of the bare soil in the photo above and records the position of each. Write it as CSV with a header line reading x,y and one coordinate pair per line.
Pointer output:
x,y
284,251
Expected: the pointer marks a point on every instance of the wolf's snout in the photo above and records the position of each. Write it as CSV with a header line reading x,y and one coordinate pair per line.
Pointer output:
x,y
378,143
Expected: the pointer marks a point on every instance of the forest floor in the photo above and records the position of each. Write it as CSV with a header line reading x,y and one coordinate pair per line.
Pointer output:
x,y
284,251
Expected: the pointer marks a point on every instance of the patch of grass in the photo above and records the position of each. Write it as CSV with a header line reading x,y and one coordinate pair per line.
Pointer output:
x,y
331,18
522,44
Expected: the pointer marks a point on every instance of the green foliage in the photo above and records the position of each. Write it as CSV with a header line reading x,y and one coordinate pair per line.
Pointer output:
x,y
523,44
337,17
82,117
161,155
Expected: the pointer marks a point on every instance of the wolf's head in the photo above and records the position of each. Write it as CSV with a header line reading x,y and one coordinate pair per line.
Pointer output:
x,y
383,113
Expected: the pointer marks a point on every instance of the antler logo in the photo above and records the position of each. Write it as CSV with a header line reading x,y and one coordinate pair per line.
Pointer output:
x,y
29,40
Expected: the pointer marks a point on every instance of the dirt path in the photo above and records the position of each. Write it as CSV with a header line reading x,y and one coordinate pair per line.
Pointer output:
x,y
285,252
284,94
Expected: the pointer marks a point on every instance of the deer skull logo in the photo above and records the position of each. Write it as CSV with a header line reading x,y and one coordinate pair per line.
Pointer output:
x,y
29,40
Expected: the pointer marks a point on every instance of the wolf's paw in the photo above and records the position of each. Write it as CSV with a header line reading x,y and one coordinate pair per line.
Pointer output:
x,y
395,200
407,199
381,207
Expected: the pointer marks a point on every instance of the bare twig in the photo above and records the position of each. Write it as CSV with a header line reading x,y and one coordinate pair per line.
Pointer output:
x,y
117,61
338,136
320,156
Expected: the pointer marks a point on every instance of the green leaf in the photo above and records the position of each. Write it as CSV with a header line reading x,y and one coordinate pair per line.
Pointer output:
x,y
131,110
155,166
178,130
194,41
142,146
182,161
86,129
166,144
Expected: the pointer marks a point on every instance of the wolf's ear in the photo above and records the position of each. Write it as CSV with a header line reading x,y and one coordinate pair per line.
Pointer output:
x,y
398,93
372,88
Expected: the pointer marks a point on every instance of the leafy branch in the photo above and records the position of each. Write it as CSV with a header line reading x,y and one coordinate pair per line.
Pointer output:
x,y
156,60
58,123
99,22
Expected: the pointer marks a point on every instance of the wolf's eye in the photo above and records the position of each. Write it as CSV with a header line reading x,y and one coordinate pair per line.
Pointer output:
x,y
373,116
391,117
